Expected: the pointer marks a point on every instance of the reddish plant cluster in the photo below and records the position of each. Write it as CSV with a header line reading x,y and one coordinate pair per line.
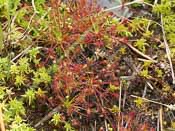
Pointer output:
x,y
87,64
86,87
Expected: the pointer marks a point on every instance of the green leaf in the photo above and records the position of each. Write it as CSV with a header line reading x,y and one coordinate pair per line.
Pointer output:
x,y
39,2
19,80
159,73
139,102
14,69
123,30
140,44
56,119
2,93
113,88
115,109
68,127
21,127
16,107
144,73
24,65
4,68
68,102
13,5
40,92
20,18
41,75
30,96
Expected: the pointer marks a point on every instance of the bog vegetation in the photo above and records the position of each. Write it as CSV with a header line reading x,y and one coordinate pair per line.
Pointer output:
x,y
74,66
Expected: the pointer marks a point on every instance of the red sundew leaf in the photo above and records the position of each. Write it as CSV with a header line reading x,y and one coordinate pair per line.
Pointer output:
x,y
71,109
74,30
86,8
40,65
111,29
123,40
51,102
68,80
55,3
76,67
111,14
115,95
71,38
55,82
104,62
96,82
152,129
116,83
55,86
89,91
51,53
89,38
104,111
143,127
88,111
75,123
99,43
100,33
125,21
132,115
80,28
82,3
80,99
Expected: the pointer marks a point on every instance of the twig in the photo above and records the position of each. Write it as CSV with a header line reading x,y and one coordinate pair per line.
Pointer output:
x,y
125,95
172,115
34,7
30,21
158,123
26,31
143,60
22,53
106,125
92,128
13,20
48,116
95,125
155,2
141,54
171,107
168,52
132,77
149,84
1,119
135,71
170,129
155,102
161,118
145,90
122,120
